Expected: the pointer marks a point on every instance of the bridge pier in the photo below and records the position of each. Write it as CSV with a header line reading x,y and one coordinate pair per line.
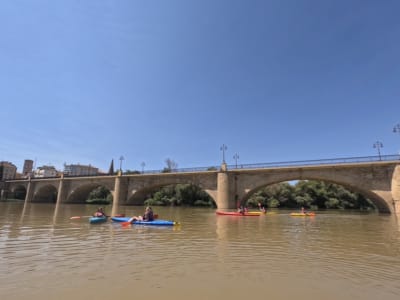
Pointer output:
x,y
120,193
396,204
29,191
60,190
395,186
116,197
225,194
223,190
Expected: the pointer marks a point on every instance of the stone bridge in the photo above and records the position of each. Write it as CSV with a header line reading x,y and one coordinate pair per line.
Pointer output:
x,y
378,181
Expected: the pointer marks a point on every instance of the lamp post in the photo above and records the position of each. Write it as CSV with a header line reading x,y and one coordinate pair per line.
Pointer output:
x,y
236,157
223,149
120,163
396,128
142,164
378,145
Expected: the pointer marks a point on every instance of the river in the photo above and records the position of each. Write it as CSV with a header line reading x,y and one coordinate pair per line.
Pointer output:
x,y
334,255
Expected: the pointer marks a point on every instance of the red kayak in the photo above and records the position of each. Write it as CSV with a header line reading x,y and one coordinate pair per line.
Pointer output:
x,y
238,214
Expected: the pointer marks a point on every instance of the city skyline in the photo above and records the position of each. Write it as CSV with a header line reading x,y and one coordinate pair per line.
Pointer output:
x,y
272,80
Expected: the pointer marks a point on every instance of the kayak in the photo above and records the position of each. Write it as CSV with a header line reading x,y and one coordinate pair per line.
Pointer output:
x,y
157,222
238,214
96,220
309,214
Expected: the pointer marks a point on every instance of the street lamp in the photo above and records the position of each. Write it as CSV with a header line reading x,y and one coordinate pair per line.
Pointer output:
x,y
396,128
378,145
120,163
142,164
236,157
223,149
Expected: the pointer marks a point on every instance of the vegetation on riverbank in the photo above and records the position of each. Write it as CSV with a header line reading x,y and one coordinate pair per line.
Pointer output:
x,y
100,195
309,194
180,194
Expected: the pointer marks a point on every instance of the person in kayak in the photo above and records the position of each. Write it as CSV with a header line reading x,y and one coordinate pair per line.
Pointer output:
x,y
240,210
261,208
99,213
148,216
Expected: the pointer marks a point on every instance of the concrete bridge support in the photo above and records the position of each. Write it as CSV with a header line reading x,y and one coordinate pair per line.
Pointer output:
x,y
120,193
396,190
29,191
223,190
60,190
226,189
117,195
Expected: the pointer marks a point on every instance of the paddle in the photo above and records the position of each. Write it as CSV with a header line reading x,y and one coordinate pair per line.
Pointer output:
x,y
79,217
127,223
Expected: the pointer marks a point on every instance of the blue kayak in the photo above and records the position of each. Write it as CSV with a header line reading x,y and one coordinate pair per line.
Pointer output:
x,y
157,222
95,220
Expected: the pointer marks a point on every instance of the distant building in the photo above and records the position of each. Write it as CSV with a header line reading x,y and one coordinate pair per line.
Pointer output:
x,y
80,170
7,170
45,171
28,167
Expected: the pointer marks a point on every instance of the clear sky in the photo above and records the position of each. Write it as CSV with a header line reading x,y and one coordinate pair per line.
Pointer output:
x,y
275,80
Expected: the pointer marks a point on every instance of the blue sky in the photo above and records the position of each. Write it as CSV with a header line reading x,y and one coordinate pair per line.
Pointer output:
x,y
281,80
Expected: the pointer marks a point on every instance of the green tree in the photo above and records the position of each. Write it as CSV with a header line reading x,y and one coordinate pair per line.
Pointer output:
x,y
310,194
99,193
180,194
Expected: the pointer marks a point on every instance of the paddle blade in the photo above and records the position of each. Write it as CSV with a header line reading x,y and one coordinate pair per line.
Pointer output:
x,y
79,217
125,224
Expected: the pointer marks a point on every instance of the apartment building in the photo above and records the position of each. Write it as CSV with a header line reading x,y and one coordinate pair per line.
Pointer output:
x,y
7,170
80,170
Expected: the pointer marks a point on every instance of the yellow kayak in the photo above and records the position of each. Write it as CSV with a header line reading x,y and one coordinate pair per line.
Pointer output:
x,y
307,214
258,213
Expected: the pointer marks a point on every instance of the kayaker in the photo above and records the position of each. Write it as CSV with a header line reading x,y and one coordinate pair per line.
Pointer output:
x,y
241,210
303,211
148,216
99,213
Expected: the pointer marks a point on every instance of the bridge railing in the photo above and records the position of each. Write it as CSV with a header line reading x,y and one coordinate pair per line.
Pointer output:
x,y
299,163
316,162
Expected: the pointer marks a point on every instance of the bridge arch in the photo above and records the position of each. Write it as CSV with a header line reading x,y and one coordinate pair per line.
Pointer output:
x,y
81,193
378,196
18,192
45,193
137,196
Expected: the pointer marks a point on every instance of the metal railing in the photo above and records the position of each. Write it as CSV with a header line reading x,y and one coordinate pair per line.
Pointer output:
x,y
316,162
299,163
